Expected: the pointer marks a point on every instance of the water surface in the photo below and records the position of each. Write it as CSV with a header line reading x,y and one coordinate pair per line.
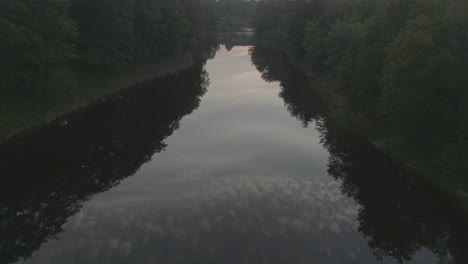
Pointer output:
x,y
228,162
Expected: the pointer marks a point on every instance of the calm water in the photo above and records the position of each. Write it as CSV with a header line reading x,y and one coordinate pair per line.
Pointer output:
x,y
228,162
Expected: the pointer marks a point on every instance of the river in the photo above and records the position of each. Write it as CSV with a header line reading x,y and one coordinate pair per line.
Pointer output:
x,y
232,161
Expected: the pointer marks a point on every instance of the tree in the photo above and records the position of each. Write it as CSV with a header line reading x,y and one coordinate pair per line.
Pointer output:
x,y
341,46
416,81
106,39
36,47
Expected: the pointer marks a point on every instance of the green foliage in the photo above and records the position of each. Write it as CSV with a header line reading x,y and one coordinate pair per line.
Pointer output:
x,y
106,32
117,33
268,22
400,63
161,28
313,43
341,48
36,47
416,90
455,23
44,42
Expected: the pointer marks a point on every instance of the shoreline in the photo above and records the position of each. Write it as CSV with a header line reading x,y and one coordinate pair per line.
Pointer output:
x,y
91,89
357,124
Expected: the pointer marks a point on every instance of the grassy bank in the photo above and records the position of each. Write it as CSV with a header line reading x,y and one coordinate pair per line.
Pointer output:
x,y
20,113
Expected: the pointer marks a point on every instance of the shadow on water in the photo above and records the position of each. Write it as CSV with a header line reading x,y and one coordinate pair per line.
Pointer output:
x,y
303,103
48,173
399,213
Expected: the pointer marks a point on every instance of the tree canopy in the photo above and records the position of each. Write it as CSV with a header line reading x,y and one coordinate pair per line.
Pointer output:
x,y
399,63
45,43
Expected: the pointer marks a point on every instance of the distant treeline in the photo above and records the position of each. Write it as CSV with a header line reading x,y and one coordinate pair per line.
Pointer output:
x,y
234,8
401,65
45,42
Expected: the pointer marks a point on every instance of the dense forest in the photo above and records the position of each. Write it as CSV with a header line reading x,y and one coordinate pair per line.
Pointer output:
x,y
46,43
60,55
397,68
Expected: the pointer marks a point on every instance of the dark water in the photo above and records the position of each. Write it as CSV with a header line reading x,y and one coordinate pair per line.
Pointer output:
x,y
229,162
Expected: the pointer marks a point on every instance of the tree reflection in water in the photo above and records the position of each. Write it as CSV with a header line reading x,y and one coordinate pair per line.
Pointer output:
x,y
399,213
48,173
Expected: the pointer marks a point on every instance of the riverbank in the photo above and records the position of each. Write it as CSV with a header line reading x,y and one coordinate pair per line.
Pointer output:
x,y
20,114
339,110
346,117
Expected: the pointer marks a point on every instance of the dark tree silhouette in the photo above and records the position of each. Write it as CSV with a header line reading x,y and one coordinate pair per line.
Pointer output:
x,y
399,212
49,172
399,66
